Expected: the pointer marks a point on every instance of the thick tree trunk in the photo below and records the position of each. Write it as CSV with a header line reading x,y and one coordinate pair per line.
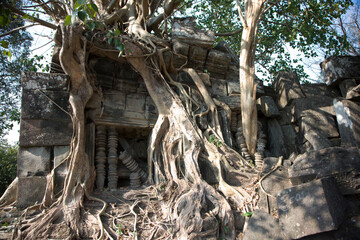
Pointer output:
x,y
253,10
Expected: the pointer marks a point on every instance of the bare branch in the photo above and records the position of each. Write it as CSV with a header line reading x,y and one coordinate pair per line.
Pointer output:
x,y
17,29
169,7
225,34
243,21
33,19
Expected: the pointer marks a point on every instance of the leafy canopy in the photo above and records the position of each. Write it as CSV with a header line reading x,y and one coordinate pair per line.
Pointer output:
x,y
304,25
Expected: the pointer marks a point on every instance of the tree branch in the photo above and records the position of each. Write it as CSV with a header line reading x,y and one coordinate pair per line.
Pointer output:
x,y
32,19
17,29
225,34
168,9
241,15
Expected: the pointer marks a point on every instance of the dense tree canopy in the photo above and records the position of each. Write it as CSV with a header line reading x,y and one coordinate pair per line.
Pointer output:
x,y
303,25
13,60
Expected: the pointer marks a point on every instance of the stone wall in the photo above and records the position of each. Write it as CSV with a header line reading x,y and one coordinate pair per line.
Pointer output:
x,y
293,117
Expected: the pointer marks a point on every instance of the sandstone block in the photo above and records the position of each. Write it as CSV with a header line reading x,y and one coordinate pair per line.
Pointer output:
x,y
267,106
276,139
262,226
348,119
346,85
322,163
319,89
33,161
287,87
45,132
45,81
30,190
36,105
135,103
181,48
232,101
219,87
338,68
310,208
311,106
184,30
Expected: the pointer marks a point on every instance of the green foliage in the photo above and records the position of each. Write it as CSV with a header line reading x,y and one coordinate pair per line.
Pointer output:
x,y
302,25
15,50
248,214
86,11
7,165
213,139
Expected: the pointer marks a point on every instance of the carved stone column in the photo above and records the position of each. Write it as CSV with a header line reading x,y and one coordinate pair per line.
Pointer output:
x,y
112,157
132,165
100,157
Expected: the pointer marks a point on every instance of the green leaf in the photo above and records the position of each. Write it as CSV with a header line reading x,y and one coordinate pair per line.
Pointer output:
x,y
109,41
117,32
116,42
3,20
81,2
67,20
248,214
92,26
82,15
121,49
94,7
4,44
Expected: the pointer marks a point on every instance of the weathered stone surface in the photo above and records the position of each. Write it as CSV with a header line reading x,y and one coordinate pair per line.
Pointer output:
x,y
232,101
60,153
44,81
179,61
233,73
181,48
348,119
289,138
217,62
319,89
135,103
125,85
151,112
310,208
233,88
263,226
30,191
321,123
197,57
317,140
33,161
276,144
346,85
45,132
267,106
184,29
224,47
287,87
354,94
205,77
312,106
219,87
338,68
286,115
35,105
276,182
349,229
322,163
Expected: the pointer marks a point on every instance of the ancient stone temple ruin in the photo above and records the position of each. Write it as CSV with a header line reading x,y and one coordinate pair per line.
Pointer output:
x,y
315,127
